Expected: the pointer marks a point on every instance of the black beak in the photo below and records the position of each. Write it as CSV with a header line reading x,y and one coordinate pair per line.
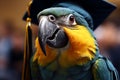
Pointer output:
x,y
47,29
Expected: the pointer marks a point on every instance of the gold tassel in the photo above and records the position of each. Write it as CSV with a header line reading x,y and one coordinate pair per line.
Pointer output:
x,y
26,73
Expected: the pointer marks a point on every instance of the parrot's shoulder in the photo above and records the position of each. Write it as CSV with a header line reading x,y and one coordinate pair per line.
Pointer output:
x,y
35,71
103,69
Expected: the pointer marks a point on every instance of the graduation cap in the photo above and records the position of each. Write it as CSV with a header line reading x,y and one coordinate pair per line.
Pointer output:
x,y
98,9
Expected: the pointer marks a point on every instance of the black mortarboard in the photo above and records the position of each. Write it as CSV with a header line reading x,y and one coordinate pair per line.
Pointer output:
x,y
98,9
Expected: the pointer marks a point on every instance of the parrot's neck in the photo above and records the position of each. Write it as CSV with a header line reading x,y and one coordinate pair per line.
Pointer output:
x,y
80,50
82,46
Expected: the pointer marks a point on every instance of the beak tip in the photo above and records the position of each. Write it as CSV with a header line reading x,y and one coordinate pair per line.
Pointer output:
x,y
43,50
45,53
42,44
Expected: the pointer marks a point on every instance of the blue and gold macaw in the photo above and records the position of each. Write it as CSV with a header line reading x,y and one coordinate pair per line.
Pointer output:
x,y
66,48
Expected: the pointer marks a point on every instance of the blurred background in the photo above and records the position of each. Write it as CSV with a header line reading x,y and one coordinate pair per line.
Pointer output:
x,y
12,34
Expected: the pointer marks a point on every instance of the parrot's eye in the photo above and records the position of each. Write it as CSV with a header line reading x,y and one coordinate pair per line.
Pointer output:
x,y
51,18
71,19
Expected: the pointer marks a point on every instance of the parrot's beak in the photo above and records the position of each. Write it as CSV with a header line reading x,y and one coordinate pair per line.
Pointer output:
x,y
51,34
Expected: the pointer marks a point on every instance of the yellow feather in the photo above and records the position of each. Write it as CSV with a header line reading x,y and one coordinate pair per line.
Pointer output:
x,y
42,59
82,46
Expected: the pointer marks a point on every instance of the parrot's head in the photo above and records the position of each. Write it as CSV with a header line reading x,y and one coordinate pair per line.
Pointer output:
x,y
53,25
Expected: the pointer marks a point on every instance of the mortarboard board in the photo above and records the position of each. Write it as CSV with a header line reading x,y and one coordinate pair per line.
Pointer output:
x,y
98,9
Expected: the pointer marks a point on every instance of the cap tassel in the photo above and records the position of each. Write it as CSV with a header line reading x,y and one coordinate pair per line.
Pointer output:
x,y
26,73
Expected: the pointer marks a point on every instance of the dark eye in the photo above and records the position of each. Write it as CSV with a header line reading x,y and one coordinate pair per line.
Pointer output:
x,y
72,19
51,18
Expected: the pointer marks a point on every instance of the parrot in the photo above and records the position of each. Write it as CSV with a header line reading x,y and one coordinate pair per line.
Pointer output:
x,y
66,48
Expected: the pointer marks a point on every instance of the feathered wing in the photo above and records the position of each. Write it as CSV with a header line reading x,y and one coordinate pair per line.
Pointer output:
x,y
35,71
103,69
